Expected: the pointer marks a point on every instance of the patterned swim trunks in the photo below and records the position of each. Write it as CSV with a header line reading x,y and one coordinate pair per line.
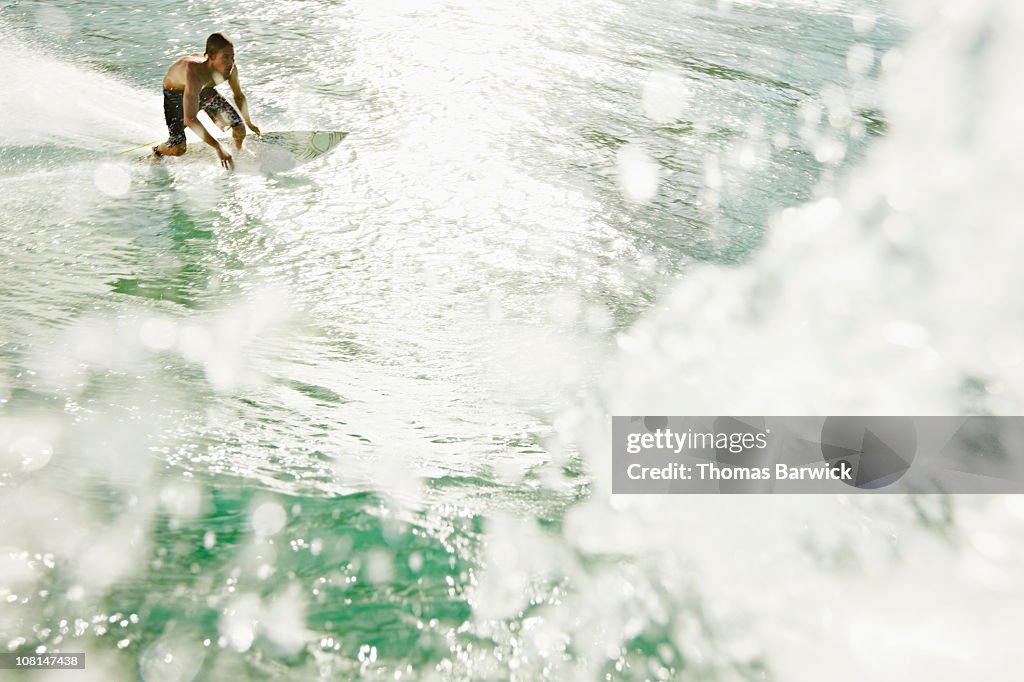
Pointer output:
x,y
210,101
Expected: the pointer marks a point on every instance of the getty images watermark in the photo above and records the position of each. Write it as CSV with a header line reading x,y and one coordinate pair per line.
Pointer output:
x,y
817,455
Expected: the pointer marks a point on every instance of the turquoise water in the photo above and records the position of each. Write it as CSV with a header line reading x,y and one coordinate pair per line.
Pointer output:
x,y
349,420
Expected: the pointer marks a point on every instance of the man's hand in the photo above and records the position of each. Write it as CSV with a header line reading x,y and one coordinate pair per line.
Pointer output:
x,y
225,157
252,127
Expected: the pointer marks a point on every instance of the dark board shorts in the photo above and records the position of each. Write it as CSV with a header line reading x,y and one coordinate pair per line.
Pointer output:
x,y
210,101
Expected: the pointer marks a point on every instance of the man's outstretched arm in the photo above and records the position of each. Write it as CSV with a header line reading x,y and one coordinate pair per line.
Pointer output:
x,y
243,106
191,102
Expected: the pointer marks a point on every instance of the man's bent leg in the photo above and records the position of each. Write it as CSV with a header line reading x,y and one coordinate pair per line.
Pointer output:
x,y
222,114
174,116
238,132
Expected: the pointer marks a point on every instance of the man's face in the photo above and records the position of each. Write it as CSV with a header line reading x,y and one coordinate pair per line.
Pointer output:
x,y
223,60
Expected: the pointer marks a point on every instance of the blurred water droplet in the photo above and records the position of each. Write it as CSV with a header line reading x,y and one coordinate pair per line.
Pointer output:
x,y
665,95
638,173
269,518
112,179
33,452
55,21
860,59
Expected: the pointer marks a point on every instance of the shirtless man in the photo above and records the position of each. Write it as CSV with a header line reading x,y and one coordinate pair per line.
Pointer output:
x,y
188,87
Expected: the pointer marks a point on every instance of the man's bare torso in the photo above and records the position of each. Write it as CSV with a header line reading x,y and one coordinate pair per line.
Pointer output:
x,y
194,64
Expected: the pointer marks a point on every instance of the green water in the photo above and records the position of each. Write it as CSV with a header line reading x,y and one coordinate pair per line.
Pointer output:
x,y
331,423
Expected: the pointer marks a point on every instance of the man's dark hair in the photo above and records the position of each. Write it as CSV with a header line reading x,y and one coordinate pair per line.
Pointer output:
x,y
217,42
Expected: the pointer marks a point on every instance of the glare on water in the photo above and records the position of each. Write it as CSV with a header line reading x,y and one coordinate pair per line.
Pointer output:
x,y
351,418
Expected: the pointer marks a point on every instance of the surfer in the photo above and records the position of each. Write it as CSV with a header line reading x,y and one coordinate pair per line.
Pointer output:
x,y
189,87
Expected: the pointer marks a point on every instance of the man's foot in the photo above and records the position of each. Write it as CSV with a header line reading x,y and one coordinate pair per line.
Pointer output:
x,y
156,152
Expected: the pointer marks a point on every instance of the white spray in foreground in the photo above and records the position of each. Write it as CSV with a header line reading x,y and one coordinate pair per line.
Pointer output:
x,y
898,293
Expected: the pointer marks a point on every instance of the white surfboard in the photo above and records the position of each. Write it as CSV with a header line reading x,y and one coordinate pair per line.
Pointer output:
x,y
273,151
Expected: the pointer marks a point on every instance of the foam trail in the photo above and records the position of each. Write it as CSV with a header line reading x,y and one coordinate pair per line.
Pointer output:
x,y
53,102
